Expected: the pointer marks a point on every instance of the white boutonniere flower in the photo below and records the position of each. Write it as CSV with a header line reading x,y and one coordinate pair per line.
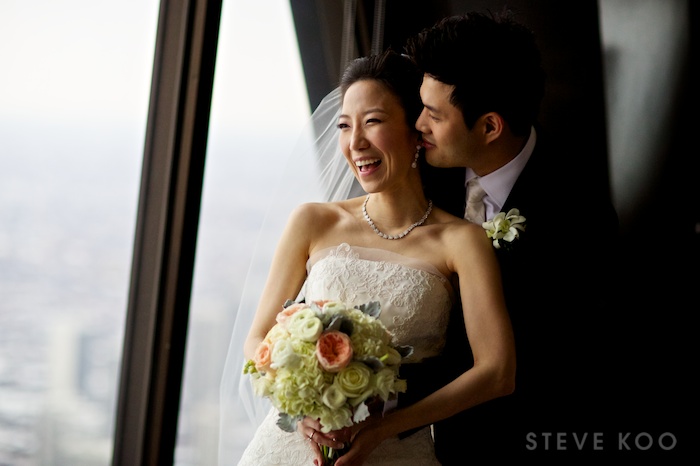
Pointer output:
x,y
504,228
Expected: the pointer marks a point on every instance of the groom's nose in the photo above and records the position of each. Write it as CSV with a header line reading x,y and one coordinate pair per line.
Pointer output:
x,y
421,122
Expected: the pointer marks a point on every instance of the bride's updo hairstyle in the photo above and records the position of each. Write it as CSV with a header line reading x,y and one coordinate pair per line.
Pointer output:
x,y
397,72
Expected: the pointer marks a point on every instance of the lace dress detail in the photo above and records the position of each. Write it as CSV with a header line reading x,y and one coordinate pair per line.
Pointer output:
x,y
413,295
415,301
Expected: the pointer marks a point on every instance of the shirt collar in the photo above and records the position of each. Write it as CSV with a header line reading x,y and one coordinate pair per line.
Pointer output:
x,y
499,183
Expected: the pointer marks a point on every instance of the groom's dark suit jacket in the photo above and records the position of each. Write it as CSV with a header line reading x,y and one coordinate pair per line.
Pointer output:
x,y
556,280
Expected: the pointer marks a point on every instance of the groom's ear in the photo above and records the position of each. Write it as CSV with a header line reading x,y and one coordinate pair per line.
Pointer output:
x,y
492,125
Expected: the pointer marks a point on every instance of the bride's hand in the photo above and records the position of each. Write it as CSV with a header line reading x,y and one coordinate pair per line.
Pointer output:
x,y
311,429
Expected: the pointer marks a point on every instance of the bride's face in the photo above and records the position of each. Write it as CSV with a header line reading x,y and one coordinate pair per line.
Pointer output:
x,y
374,137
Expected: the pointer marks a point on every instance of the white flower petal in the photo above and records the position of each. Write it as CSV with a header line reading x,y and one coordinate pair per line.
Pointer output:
x,y
504,226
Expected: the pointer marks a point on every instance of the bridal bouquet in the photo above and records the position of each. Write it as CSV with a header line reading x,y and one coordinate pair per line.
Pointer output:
x,y
328,361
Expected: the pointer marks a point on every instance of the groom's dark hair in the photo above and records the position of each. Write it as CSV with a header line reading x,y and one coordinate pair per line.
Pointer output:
x,y
493,62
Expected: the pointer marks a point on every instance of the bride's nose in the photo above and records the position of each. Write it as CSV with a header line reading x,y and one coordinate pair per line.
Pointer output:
x,y
358,141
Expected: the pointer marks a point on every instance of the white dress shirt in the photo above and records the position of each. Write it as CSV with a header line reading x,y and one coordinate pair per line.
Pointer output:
x,y
499,183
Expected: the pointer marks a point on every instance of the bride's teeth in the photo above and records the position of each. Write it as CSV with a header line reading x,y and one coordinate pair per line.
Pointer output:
x,y
362,163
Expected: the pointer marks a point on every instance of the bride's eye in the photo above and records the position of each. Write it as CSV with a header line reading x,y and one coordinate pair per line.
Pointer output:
x,y
343,125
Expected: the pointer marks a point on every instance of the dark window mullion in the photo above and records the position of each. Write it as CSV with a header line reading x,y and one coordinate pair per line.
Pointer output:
x,y
166,232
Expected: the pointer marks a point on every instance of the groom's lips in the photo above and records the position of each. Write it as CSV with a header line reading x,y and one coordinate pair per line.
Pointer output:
x,y
427,145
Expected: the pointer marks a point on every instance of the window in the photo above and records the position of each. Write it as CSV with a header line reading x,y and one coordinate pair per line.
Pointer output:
x,y
259,110
73,106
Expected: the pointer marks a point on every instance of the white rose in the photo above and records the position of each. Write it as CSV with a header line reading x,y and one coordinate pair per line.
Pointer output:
x,y
333,397
354,379
334,307
307,329
283,355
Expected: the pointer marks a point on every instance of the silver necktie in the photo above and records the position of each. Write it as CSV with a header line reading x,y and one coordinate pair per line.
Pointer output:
x,y
476,211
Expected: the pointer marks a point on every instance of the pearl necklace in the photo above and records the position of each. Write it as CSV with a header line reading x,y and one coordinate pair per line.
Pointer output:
x,y
402,234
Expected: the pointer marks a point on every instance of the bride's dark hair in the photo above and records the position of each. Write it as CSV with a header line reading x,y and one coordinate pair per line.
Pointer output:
x,y
397,72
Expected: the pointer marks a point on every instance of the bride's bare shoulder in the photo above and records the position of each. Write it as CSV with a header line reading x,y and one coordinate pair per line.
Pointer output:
x,y
325,212
458,231
449,220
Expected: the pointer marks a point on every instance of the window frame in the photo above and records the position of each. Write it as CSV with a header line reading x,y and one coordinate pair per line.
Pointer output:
x,y
166,232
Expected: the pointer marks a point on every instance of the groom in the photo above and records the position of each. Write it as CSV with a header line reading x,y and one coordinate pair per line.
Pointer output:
x,y
481,92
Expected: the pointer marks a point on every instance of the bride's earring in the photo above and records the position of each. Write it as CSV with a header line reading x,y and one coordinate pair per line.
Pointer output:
x,y
415,160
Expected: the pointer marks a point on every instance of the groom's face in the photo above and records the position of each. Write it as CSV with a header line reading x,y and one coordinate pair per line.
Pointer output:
x,y
447,140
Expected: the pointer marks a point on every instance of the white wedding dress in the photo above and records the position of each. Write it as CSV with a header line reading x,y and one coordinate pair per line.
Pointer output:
x,y
415,301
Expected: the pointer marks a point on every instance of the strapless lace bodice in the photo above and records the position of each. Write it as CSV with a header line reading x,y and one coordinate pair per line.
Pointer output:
x,y
414,296
415,300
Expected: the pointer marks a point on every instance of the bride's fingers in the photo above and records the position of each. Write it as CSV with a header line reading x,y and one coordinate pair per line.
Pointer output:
x,y
311,429
310,423
318,456
330,439
341,436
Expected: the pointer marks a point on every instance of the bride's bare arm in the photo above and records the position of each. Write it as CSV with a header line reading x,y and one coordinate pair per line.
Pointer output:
x,y
490,336
286,276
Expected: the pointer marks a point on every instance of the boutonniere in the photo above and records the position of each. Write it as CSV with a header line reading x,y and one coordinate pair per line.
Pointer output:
x,y
504,228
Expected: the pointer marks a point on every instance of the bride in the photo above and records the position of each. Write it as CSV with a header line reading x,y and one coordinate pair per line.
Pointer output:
x,y
394,246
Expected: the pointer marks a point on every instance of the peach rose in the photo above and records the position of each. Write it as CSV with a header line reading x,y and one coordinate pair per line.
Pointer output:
x,y
288,312
334,350
263,356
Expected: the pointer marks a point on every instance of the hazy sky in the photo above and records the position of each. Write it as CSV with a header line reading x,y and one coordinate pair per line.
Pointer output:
x,y
71,58
77,59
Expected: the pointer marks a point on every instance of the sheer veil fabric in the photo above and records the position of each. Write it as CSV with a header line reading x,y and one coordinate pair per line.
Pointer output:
x,y
315,171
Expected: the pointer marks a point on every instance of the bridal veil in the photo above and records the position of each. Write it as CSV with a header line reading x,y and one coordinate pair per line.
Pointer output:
x,y
315,171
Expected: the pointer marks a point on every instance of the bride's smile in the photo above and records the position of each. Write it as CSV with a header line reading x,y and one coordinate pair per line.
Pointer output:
x,y
366,165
